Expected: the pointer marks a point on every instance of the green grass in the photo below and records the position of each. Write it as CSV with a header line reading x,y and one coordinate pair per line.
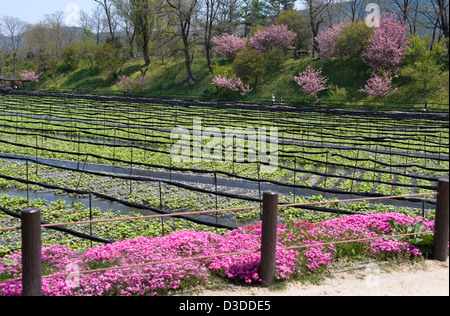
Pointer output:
x,y
167,80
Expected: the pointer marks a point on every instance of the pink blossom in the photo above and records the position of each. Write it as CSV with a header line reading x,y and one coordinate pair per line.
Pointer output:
x,y
327,40
30,75
128,83
228,45
233,83
379,85
163,278
275,36
387,45
311,81
142,82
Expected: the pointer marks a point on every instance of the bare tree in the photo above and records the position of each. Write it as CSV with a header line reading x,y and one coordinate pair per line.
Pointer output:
x,y
354,9
86,22
185,10
97,22
125,12
405,7
13,28
211,9
317,16
107,7
437,11
442,11
228,15
57,32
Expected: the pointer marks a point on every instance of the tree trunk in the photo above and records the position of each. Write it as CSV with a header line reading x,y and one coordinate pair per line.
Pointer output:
x,y
190,77
212,8
208,57
145,52
443,18
185,16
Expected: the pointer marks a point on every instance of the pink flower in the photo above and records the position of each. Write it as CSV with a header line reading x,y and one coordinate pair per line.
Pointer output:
x,y
228,45
327,40
29,75
387,45
163,278
379,85
311,81
233,83
275,36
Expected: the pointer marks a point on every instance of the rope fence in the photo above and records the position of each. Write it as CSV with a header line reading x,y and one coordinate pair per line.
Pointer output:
x,y
31,238
153,263
110,220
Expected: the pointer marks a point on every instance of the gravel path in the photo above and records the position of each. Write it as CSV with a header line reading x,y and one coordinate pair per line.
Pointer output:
x,y
430,278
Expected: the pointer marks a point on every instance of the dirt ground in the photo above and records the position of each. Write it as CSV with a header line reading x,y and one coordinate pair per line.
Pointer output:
x,y
428,278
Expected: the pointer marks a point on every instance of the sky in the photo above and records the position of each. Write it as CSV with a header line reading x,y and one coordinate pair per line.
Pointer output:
x,y
32,11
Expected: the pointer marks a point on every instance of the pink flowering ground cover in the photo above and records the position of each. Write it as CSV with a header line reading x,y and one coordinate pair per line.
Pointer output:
x,y
171,276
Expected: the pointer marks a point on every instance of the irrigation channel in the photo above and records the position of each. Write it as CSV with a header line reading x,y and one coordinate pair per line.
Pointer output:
x,y
58,147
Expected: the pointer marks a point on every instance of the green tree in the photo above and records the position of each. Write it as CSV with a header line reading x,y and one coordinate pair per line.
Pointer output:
x,y
250,65
253,14
71,57
87,47
276,7
353,39
298,24
106,59
422,63
144,15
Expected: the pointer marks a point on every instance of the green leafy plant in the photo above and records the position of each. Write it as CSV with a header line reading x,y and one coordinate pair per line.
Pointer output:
x,y
424,242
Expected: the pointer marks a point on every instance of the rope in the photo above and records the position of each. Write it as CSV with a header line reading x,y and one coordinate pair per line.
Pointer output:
x,y
217,211
141,265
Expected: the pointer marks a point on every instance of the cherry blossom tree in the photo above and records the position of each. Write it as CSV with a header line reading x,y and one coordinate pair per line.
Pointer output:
x,y
228,45
311,81
275,36
128,83
142,82
379,85
385,51
125,82
233,83
387,45
327,40
30,76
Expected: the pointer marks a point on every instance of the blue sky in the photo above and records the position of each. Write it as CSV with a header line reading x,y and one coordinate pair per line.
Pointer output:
x,y
32,11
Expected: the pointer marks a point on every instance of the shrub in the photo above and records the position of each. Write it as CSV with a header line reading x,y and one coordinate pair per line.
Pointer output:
x,y
250,65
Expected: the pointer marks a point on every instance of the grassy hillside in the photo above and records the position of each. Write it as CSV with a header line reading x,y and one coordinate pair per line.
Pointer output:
x,y
167,80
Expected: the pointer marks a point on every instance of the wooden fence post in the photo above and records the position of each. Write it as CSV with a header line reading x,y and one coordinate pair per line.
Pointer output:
x,y
269,237
31,252
441,229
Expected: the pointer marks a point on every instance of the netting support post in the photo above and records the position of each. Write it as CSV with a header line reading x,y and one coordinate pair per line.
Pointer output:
x,y
269,237
441,230
31,252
